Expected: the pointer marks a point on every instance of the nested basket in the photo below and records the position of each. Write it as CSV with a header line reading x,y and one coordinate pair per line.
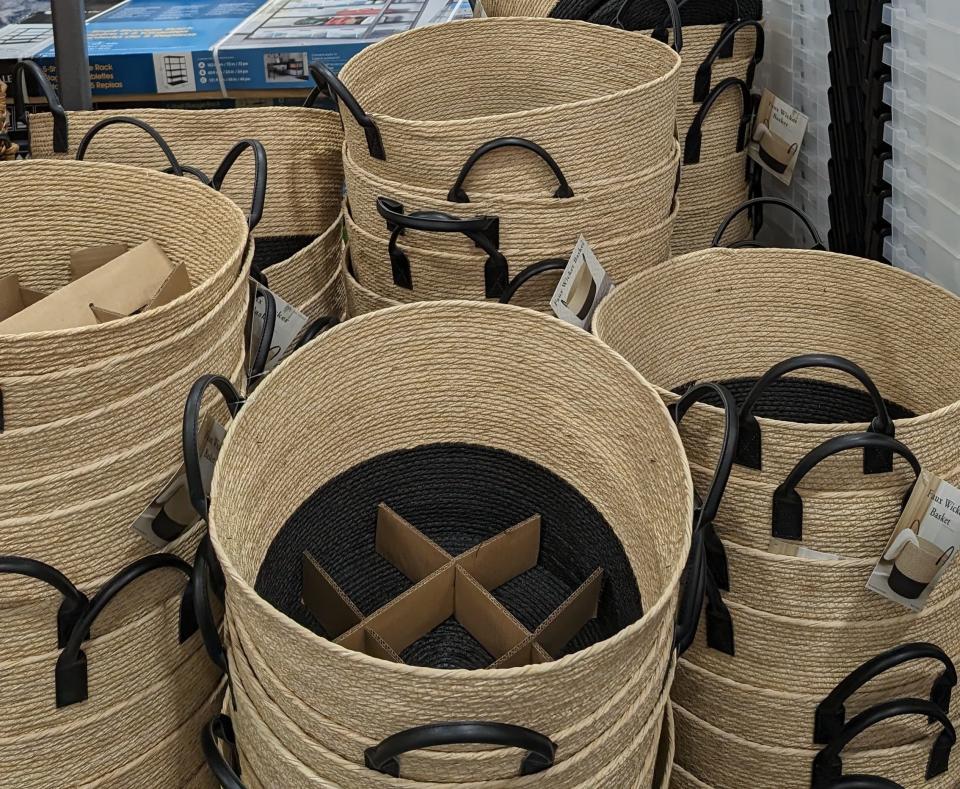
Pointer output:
x,y
475,360
513,79
833,304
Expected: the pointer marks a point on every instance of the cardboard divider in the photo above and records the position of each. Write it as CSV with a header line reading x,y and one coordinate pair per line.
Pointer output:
x,y
445,586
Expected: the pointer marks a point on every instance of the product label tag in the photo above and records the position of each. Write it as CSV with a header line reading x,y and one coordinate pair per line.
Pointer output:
x,y
583,285
801,551
170,514
478,10
289,325
777,137
923,545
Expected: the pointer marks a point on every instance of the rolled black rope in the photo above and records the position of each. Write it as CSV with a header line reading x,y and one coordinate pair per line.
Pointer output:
x,y
649,15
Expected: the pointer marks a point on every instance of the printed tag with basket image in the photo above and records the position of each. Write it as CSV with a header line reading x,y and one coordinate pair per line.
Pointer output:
x,y
288,322
923,544
777,137
583,285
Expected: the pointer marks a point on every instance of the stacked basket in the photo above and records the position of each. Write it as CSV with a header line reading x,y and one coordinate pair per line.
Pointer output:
x,y
297,227
441,412
721,44
101,681
823,467
462,173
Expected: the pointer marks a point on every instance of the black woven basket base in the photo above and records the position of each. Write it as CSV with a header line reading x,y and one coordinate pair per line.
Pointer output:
x,y
575,9
807,400
270,250
458,495
648,14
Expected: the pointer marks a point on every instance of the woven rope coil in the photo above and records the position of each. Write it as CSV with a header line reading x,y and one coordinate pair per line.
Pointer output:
x,y
698,221
331,299
514,79
754,308
360,299
459,348
304,275
681,779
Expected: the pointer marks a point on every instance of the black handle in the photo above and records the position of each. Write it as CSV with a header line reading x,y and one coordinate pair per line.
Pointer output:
x,y
864,782
220,729
191,434
20,72
259,176
327,80
831,714
94,130
484,231
202,580
315,329
459,195
694,589
531,271
757,203
660,33
258,362
74,601
693,144
750,448
540,749
828,765
787,516
71,669
188,169
704,78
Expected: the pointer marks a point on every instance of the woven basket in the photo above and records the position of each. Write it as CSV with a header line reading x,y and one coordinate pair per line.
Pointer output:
x,y
697,224
727,762
305,275
454,361
599,213
513,79
833,304
478,273
681,779
360,299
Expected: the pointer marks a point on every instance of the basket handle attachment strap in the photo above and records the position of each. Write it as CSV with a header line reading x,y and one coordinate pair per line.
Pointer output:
x,y
531,271
128,120
484,231
750,448
315,329
260,357
71,668
220,729
787,515
74,602
660,33
693,144
458,194
329,82
540,749
704,78
830,716
21,71
828,764
720,631
757,203
259,176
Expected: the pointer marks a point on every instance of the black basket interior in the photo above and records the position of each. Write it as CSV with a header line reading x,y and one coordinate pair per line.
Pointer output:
x,y
649,14
458,495
270,250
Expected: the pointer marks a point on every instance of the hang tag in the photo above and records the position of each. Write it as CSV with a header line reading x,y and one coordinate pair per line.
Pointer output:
x,y
923,544
170,514
777,137
478,10
583,285
290,324
801,551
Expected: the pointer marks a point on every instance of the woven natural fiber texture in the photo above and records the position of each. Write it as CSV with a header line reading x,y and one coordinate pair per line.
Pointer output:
x,y
727,762
779,719
663,769
331,299
623,758
601,212
360,299
456,373
301,277
438,275
755,308
700,216
513,78
681,779
97,204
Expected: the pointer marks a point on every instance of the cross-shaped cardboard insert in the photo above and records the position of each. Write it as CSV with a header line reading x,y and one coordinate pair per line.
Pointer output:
x,y
445,586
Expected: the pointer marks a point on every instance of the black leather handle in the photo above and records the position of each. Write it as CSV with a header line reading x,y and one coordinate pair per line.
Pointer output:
x,y
327,80
458,194
21,71
694,589
315,329
828,764
864,782
94,130
704,78
74,601
660,33
757,203
484,231
750,448
531,271
831,714
259,176
693,144
71,669
260,356
787,516
191,434
220,729
196,172
201,581
541,750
